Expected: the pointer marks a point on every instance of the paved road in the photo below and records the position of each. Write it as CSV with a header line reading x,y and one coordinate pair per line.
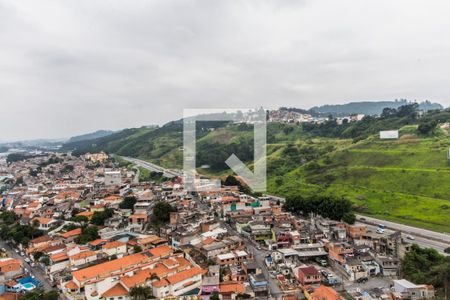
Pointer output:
x,y
423,237
259,256
37,272
152,167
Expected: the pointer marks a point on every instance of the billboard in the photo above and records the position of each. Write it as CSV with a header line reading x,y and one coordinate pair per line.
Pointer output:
x,y
389,134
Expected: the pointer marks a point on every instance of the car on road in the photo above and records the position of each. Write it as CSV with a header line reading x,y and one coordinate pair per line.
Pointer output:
x,y
362,280
362,219
325,273
16,250
410,237
22,254
27,260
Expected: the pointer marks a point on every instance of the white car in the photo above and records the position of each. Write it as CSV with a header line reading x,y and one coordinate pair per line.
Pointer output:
x,y
27,260
410,237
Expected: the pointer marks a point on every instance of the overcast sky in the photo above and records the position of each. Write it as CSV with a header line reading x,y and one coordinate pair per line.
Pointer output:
x,y
71,67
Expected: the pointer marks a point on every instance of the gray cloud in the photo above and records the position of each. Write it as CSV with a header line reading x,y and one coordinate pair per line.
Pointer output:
x,y
68,67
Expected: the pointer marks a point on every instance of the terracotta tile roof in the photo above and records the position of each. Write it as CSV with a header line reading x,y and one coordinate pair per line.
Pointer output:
x,y
117,290
113,244
208,241
161,251
71,285
71,233
43,220
325,293
112,198
97,242
183,275
149,239
41,239
137,279
85,214
234,287
59,257
83,255
110,266
310,270
9,261
160,283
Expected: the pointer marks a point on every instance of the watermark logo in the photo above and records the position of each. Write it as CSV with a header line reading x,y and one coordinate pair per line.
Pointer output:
x,y
255,178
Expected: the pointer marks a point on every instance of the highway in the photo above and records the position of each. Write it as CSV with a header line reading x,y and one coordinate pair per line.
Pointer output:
x,y
154,168
422,237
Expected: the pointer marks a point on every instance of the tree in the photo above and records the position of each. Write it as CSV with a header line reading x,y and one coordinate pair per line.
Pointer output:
x,y
427,266
161,212
128,202
441,274
88,234
137,249
99,217
80,219
214,296
427,127
349,218
8,217
140,292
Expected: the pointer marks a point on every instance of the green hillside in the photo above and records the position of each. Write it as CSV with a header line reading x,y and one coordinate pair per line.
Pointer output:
x,y
405,180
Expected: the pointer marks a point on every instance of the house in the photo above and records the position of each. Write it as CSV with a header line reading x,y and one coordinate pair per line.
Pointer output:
x,y
178,284
409,290
118,292
70,236
83,258
139,218
389,266
232,258
229,290
10,267
308,275
40,241
44,223
117,248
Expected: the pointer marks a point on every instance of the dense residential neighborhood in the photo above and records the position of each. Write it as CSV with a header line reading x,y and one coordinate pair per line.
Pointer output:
x,y
88,227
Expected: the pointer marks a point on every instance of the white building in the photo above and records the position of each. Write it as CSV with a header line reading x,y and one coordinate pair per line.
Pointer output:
x,y
388,134
113,178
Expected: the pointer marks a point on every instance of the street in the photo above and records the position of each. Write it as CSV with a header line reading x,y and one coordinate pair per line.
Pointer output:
x,y
37,272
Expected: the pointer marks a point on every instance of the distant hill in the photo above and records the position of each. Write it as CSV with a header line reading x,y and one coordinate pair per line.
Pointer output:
x,y
90,136
368,107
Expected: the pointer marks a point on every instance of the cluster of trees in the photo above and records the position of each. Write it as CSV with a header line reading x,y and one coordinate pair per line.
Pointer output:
x,y
99,217
14,157
88,233
427,266
128,202
11,230
161,213
215,154
51,161
327,206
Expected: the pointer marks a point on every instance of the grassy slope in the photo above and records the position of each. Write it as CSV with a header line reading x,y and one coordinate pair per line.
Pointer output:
x,y
406,180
